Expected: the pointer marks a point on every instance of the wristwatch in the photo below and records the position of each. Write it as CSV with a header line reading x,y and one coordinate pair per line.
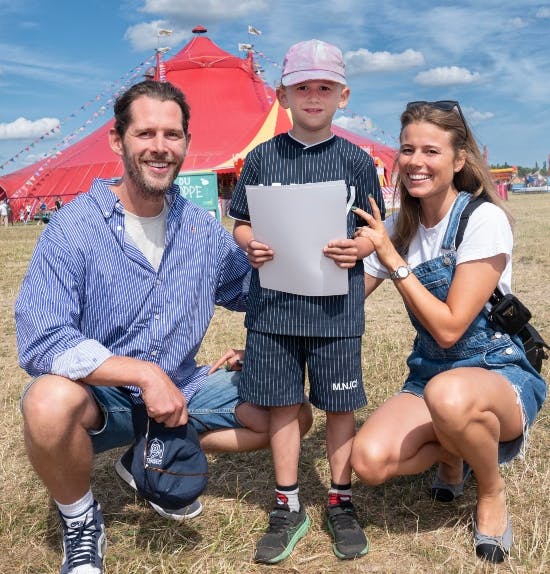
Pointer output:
x,y
402,272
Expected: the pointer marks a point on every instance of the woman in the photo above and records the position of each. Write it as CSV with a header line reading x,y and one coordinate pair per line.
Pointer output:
x,y
471,395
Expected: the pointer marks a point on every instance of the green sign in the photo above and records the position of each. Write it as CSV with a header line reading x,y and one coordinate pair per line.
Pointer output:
x,y
202,189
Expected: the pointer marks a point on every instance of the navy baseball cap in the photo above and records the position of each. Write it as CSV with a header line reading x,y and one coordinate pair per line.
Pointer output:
x,y
168,465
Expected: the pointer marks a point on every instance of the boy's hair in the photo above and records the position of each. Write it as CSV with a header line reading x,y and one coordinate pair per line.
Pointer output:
x,y
162,91
313,60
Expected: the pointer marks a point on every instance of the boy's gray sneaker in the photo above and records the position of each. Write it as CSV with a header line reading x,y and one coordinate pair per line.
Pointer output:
x,y
84,543
284,530
122,467
349,539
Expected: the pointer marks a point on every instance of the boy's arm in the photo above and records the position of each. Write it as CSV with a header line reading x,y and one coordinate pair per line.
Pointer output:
x,y
242,232
257,253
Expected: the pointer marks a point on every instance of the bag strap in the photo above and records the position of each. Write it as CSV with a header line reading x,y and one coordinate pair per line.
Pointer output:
x,y
471,206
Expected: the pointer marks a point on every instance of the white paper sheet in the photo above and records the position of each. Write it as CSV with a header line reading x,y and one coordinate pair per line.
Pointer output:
x,y
297,221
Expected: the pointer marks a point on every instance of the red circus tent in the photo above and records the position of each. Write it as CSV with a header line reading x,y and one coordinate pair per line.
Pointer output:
x,y
232,110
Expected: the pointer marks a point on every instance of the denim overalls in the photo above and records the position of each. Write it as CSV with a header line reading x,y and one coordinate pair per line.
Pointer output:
x,y
480,346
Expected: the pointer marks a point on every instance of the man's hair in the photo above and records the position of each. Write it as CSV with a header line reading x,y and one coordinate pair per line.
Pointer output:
x,y
162,91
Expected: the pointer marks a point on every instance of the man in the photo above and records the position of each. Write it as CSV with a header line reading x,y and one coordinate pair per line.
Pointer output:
x,y
125,279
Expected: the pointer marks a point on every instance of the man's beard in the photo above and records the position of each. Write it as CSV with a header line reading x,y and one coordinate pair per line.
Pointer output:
x,y
149,189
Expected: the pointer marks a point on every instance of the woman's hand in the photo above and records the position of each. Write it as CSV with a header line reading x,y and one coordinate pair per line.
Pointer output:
x,y
375,231
233,360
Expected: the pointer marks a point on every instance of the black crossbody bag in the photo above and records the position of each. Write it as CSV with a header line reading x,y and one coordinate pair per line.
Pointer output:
x,y
508,313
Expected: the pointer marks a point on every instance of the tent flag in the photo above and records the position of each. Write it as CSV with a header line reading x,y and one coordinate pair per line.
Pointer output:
x,y
255,31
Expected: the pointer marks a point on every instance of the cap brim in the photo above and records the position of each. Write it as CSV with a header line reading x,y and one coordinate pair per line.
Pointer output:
x,y
294,78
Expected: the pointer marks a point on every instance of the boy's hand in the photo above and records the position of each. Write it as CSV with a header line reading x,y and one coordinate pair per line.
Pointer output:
x,y
258,253
343,252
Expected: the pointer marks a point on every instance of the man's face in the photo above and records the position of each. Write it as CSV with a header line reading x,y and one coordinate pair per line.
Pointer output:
x,y
153,147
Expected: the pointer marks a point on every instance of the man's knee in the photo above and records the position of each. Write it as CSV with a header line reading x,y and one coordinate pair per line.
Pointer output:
x,y
57,401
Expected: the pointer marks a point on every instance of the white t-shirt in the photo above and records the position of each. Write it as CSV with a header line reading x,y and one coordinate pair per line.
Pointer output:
x,y
148,234
488,233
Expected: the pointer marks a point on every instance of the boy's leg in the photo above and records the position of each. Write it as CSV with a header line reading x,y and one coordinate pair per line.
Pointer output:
x,y
288,522
336,387
274,374
339,440
349,539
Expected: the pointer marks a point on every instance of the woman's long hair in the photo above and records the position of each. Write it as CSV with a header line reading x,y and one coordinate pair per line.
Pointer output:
x,y
474,177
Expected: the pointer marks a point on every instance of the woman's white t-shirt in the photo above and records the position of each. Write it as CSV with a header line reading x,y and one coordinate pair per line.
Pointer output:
x,y
488,233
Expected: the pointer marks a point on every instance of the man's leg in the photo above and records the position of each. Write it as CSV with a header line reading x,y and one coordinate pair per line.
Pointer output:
x,y
57,414
255,432
233,426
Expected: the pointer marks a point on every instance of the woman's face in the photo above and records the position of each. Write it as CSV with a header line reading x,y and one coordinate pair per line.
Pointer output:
x,y
427,161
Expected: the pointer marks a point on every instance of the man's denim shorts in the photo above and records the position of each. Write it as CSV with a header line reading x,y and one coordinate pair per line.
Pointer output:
x,y
212,407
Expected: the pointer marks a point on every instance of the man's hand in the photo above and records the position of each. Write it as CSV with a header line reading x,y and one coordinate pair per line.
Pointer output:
x,y
164,401
233,360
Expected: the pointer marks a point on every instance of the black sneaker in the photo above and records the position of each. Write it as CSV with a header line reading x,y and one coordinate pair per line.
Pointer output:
x,y
84,543
349,539
284,530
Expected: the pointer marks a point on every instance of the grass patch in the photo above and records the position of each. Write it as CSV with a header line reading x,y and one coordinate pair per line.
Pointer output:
x,y
408,532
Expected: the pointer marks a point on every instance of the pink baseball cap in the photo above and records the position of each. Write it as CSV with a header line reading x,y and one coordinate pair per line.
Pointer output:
x,y
313,60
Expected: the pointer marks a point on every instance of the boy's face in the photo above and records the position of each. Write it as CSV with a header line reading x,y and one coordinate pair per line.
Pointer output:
x,y
313,105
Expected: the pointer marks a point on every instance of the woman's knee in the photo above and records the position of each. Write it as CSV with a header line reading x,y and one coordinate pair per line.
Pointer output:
x,y
369,461
448,401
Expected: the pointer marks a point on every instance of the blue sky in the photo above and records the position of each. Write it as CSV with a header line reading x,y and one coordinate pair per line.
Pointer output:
x,y
61,61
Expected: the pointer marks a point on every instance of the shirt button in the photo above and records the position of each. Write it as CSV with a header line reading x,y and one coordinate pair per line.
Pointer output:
x,y
509,350
154,353
106,213
446,260
119,227
157,317
498,335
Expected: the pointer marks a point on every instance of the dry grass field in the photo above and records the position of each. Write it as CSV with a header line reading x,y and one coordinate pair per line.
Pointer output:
x,y
408,532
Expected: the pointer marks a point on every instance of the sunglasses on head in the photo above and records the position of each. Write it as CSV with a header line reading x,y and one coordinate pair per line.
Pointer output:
x,y
444,105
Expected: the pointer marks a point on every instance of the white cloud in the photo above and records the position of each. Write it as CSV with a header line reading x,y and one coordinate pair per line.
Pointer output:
x,y
475,116
144,37
22,128
543,12
354,123
518,23
205,10
362,60
446,76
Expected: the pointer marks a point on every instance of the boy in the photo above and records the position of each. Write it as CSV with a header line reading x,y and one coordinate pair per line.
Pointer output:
x,y
286,332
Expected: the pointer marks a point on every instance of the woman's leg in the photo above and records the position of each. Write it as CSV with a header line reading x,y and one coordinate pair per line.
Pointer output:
x,y
398,438
472,410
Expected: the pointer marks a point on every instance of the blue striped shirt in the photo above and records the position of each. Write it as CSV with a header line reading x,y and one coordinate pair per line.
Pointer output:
x,y
284,160
89,294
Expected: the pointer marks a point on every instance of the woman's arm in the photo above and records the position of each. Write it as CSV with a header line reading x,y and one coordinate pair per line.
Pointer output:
x,y
470,289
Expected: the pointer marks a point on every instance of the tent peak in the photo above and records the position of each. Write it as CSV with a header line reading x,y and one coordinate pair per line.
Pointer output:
x,y
199,30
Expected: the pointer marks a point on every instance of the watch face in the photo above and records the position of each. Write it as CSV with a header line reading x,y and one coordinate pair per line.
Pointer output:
x,y
402,272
